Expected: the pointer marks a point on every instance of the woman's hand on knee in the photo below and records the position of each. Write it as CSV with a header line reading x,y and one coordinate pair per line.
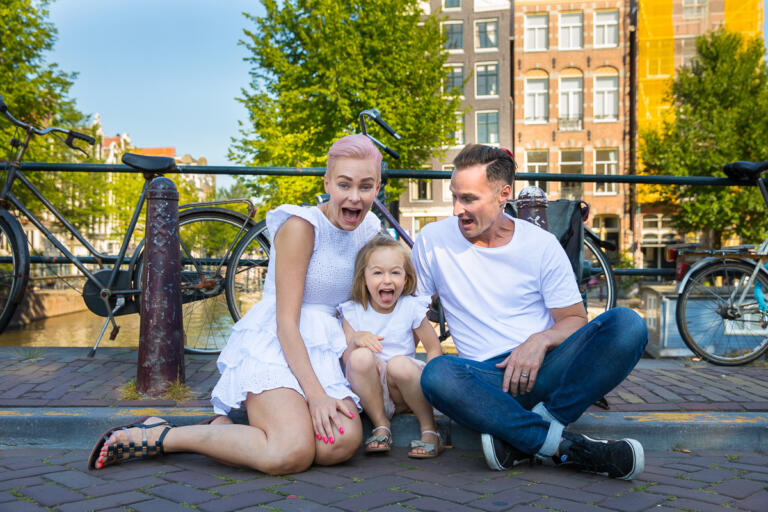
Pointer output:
x,y
326,418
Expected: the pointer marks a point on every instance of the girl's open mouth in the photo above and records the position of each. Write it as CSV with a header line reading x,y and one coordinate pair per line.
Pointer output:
x,y
387,296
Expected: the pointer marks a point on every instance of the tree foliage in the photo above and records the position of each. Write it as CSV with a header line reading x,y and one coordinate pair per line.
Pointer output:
x,y
720,107
318,63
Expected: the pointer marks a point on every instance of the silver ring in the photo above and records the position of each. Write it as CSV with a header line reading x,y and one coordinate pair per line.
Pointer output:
x,y
524,375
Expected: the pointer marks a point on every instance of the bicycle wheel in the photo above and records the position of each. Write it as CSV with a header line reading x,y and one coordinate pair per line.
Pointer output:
x,y
247,270
715,322
207,238
14,267
597,284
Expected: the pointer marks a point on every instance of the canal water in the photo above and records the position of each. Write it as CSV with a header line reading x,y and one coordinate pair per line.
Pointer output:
x,y
73,330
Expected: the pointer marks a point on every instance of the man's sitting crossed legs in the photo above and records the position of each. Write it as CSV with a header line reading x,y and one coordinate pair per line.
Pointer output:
x,y
529,363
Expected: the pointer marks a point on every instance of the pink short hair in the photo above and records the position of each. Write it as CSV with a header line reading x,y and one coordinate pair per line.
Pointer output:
x,y
354,146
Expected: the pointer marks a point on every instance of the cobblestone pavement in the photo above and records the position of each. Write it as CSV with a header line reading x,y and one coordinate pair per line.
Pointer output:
x,y
50,377
457,480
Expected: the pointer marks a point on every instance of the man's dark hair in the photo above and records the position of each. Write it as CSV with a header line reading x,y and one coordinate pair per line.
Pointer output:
x,y
501,165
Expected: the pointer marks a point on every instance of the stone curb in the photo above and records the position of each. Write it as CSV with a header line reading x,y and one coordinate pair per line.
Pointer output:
x,y
78,428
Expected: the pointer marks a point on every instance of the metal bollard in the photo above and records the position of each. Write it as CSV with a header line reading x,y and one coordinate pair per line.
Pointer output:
x,y
531,205
161,336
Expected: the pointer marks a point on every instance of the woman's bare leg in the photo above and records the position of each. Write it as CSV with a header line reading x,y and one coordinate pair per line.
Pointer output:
x,y
363,376
279,439
344,445
403,379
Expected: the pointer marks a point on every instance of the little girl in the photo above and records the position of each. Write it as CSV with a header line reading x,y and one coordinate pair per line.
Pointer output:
x,y
382,323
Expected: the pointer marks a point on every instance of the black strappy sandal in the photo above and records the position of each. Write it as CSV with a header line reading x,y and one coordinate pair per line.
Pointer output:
x,y
116,454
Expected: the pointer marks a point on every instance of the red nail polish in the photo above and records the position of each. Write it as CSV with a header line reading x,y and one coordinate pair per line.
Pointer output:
x,y
325,440
341,430
330,439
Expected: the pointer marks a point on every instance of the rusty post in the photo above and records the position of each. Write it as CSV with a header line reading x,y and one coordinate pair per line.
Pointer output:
x,y
531,205
161,335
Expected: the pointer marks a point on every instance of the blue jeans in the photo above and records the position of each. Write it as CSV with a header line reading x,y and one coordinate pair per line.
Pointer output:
x,y
584,368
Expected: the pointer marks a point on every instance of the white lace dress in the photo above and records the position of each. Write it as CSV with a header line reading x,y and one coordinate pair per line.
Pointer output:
x,y
253,360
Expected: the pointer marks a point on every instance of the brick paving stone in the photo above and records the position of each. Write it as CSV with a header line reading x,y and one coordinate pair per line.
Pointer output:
x,y
564,477
633,501
51,494
21,506
739,488
431,504
35,471
313,492
373,500
758,501
688,468
322,478
114,500
670,480
144,468
609,487
439,491
378,483
298,505
239,501
761,477
193,478
181,493
761,467
159,504
121,486
698,495
698,506
494,485
504,500
711,475
5,496
74,479
16,463
20,482
560,492
565,505
251,485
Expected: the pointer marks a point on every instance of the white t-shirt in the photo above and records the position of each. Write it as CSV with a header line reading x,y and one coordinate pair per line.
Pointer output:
x,y
396,327
494,298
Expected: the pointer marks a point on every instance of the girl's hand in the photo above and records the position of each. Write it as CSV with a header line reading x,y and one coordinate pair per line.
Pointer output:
x,y
367,339
326,419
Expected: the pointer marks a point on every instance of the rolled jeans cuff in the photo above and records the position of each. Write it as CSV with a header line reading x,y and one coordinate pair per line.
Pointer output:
x,y
554,434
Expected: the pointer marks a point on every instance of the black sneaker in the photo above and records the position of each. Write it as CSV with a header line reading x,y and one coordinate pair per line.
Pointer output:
x,y
501,456
618,459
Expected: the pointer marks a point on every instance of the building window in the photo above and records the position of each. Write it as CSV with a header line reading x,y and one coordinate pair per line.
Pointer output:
x,y
486,34
536,100
420,222
536,32
454,79
571,31
607,162
421,190
571,162
658,231
457,136
694,8
571,98
452,4
487,79
447,194
606,98
606,29
537,161
607,227
454,33
488,127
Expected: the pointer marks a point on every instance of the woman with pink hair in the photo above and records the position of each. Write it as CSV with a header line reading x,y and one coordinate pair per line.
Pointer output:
x,y
282,359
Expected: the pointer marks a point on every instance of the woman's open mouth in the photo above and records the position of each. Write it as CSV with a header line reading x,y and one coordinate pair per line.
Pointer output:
x,y
351,215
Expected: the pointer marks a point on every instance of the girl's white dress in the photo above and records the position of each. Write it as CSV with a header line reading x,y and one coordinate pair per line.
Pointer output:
x,y
253,360
396,328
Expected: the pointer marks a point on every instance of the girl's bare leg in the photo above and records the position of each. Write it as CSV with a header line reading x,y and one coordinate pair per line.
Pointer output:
x,y
279,439
403,379
364,379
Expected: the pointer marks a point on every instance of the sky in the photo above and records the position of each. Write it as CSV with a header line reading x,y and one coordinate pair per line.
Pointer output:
x,y
166,72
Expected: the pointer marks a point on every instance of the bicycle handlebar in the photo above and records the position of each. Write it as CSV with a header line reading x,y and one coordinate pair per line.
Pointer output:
x,y
376,116
71,134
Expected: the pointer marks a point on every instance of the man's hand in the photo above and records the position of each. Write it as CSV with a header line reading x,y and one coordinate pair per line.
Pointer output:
x,y
367,339
523,363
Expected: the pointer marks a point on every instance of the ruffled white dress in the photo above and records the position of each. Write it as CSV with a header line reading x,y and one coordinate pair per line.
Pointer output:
x,y
253,360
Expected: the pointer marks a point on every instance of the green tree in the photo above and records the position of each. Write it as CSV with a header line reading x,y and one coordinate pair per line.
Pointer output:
x,y
720,115
317,64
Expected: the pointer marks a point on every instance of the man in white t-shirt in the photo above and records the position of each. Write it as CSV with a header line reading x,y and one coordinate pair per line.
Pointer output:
x,y
529,362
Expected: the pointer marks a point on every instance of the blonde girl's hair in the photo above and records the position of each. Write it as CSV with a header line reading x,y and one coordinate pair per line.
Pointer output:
x,y
360,293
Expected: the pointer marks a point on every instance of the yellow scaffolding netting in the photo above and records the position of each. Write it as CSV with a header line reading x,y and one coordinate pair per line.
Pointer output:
x,y
745,16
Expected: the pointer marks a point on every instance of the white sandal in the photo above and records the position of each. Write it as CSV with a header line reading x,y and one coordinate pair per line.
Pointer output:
x,y
431,451
379,439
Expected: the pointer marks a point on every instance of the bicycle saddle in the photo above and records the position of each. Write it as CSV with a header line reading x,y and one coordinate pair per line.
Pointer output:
x,y
149,163
745,172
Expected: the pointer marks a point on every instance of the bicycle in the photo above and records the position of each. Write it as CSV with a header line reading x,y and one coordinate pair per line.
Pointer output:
x,y
248,266
721,311
207,233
